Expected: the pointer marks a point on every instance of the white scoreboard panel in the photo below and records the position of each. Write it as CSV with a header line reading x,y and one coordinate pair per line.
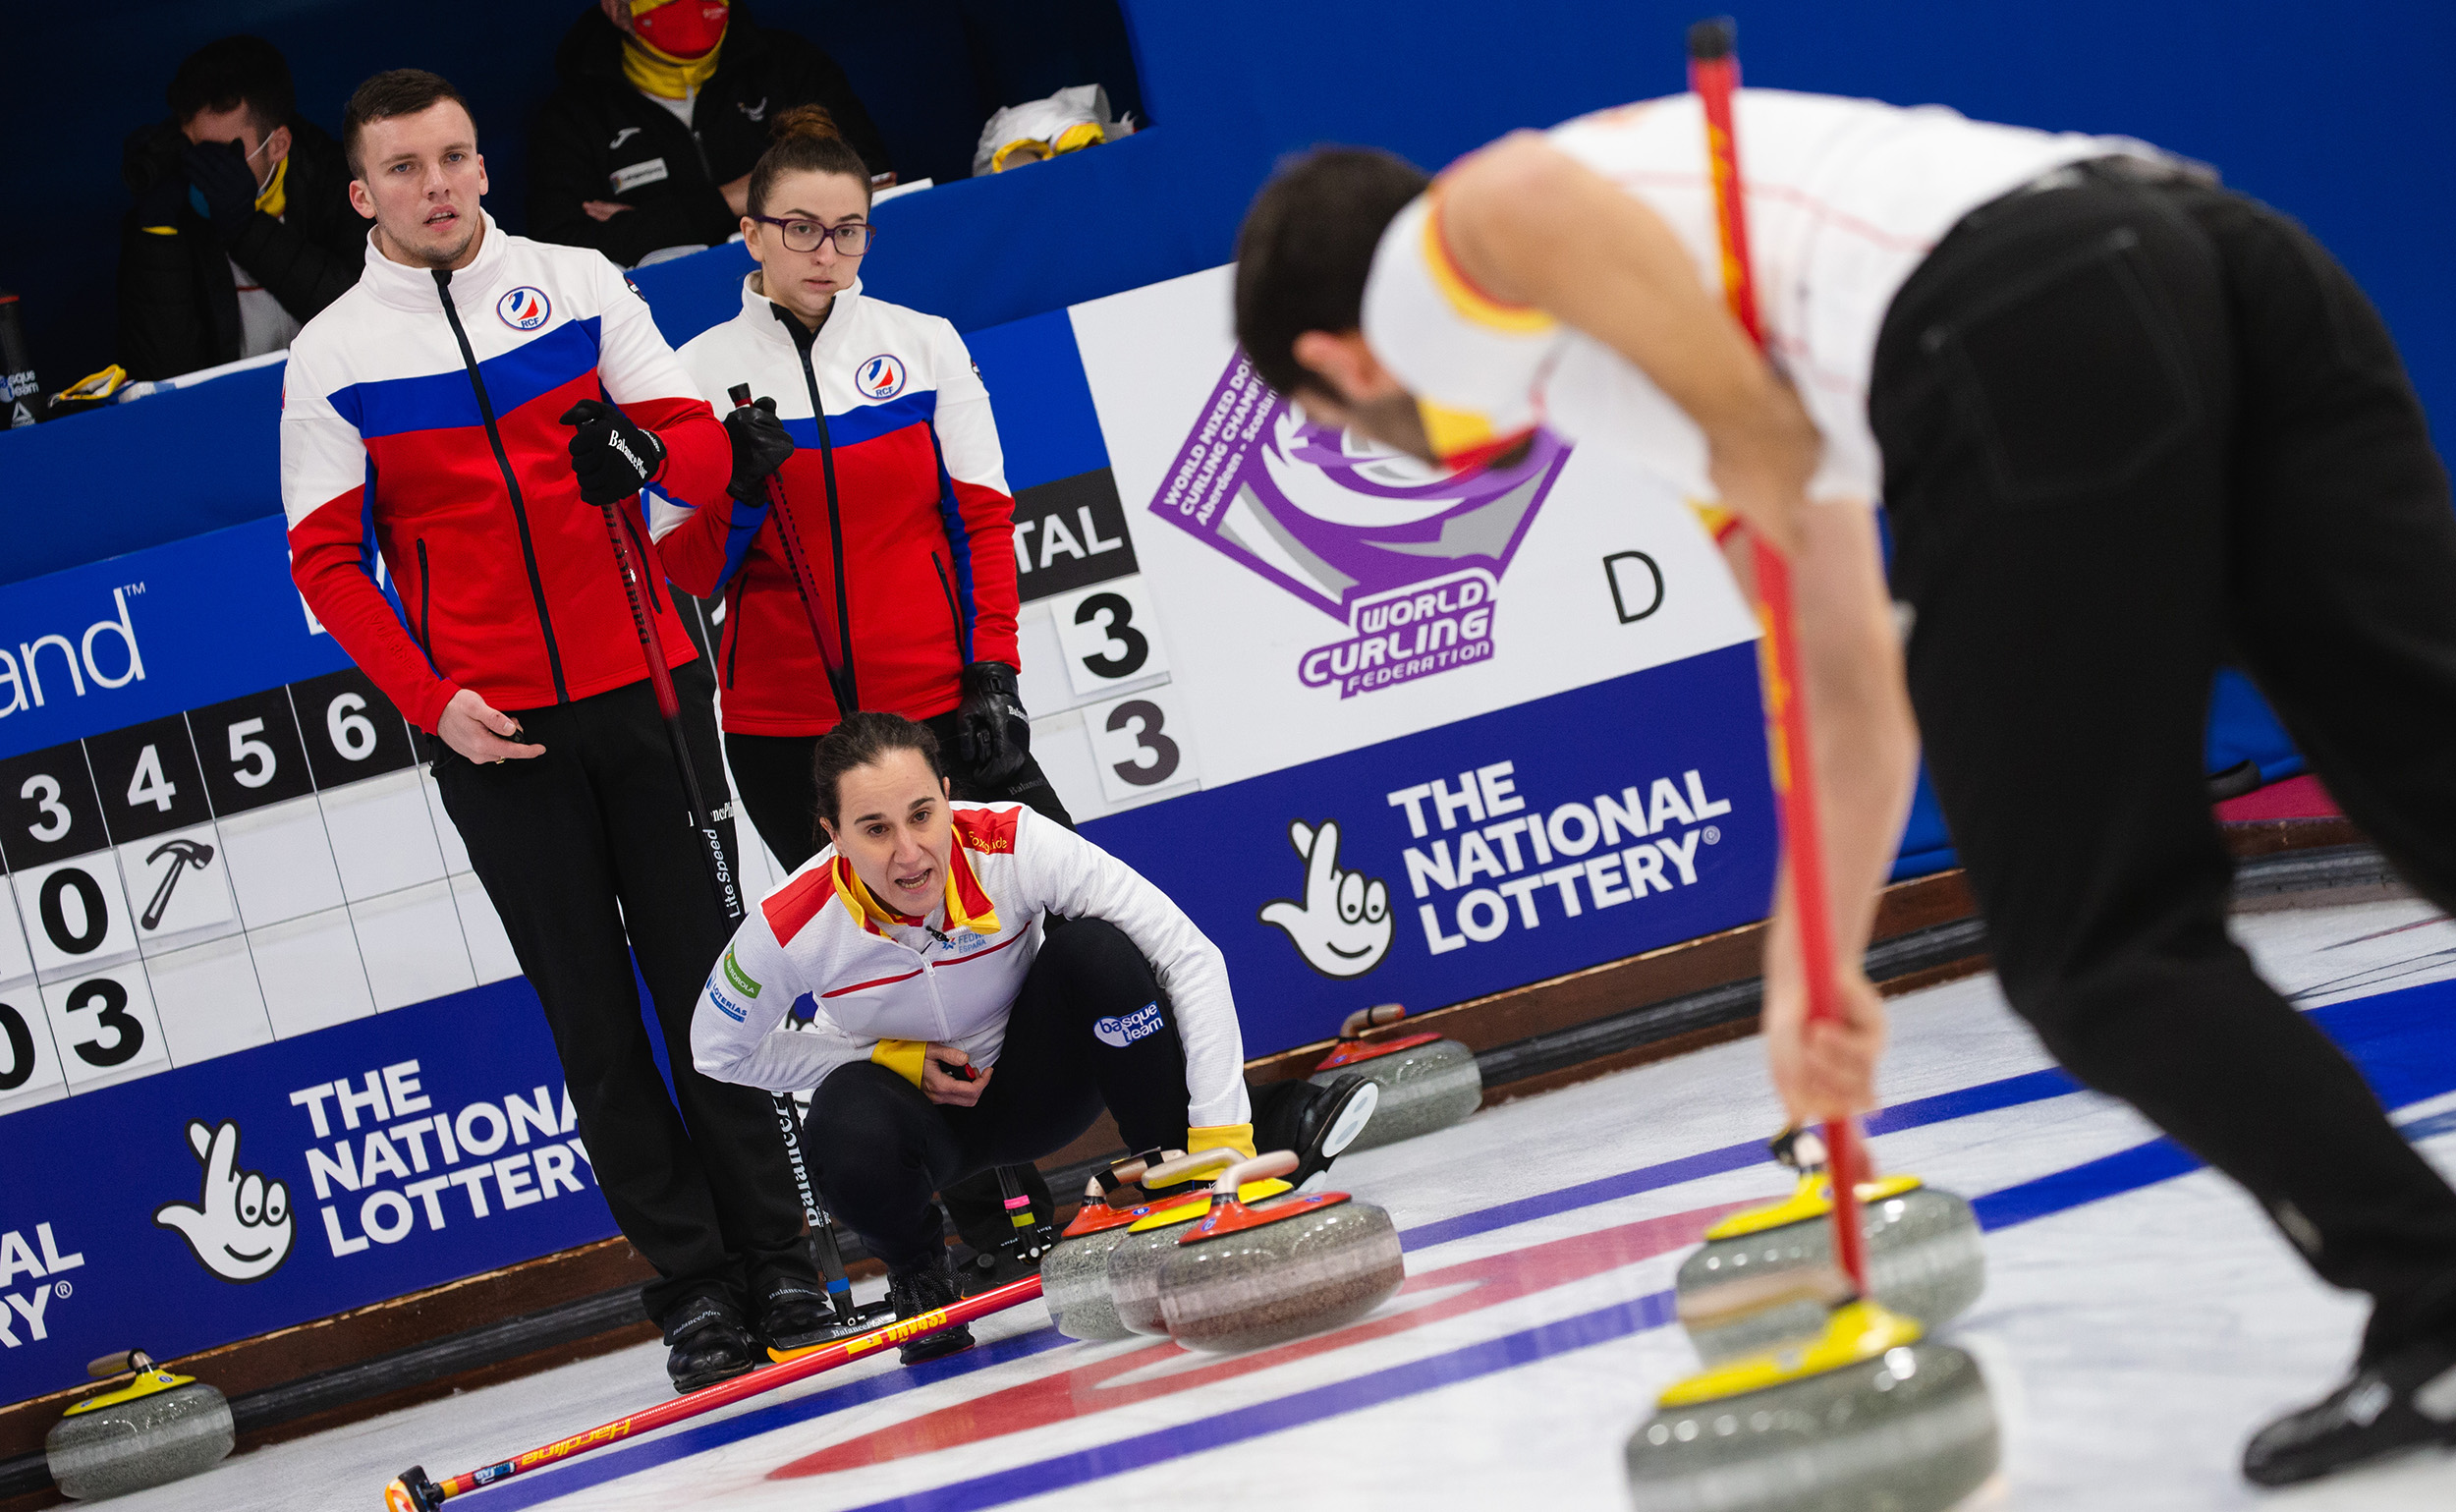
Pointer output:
x,y
223,877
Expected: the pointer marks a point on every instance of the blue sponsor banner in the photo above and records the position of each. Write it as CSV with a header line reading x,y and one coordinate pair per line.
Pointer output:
x,y
222,1199
115,642
1479,856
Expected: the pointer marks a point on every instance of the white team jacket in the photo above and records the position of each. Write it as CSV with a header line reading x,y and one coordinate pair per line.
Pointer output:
x,y
874,979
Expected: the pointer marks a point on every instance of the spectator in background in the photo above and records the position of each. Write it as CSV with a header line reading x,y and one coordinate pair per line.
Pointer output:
x,y
663,106
242,228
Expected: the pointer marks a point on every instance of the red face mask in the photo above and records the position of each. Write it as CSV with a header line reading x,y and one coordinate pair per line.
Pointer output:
x,y
683,29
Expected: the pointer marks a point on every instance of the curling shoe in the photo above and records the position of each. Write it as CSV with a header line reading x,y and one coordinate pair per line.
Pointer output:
x,y
2399,1401
922,1287
796,1315
706,1344
1328,1122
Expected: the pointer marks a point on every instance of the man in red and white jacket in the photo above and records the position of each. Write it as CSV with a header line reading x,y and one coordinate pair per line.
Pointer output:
x,y
464,410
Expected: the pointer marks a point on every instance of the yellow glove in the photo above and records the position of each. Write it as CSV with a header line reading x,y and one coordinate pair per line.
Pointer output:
x,y
902,1057
1236,1137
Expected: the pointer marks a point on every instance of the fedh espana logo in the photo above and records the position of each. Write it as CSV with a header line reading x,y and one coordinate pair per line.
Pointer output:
x,y
1408,556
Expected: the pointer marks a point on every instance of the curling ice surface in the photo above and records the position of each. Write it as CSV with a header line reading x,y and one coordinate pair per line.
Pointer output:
x,y
2132,1342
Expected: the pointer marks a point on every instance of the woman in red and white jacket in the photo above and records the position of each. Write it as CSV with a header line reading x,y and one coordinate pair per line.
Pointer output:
x,y
955,1029
875,422
877,425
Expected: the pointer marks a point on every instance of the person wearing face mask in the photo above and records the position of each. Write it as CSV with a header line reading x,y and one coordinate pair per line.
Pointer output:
x,y
896,492
241,228
646,146
952,1029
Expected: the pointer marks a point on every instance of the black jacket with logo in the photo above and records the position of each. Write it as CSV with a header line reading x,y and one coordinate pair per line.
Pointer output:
x,y
178,306
598,137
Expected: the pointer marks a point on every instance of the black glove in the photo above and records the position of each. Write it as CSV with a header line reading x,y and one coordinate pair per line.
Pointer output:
x,y
991,736
610,455
155,172
221,173
760,447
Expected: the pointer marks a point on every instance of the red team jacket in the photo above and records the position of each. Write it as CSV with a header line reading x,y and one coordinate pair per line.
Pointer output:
x,y
438,449
898,493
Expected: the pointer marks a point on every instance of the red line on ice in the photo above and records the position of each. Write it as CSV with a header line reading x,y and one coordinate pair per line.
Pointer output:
x,y
1084,1391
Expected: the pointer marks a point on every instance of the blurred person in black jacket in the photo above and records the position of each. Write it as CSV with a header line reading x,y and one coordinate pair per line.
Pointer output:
x,y
663,107
240,229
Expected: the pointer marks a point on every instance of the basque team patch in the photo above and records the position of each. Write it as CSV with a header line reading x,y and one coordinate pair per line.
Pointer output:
x,y
1119,1033
525,308
881,377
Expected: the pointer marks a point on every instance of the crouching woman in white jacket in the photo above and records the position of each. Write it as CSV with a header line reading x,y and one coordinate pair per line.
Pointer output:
x,y
979,982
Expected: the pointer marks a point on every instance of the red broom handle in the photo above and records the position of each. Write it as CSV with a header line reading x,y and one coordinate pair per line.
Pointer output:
x,y
402,1498
1714,74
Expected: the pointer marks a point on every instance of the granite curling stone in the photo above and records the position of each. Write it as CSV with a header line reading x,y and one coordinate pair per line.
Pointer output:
x,y
1766,1275
1133,1260
1074,1274
1427,1082
155,1429
1866,1417
1246,1277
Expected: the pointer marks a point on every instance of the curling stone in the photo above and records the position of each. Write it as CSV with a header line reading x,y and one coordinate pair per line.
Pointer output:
x,y
1074,1274
151,1431
1865,1417
1767,1274
1244,1278
1427,1082
1135,1259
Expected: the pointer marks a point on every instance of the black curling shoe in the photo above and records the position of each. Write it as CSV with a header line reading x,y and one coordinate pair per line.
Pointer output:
x,y
920,1288
2399,1402
794,1315
706,1344
1327,1124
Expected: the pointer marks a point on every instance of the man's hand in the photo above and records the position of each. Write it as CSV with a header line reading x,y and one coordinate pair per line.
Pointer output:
x,y
222,174
986,720
955,1090
760,446
602,210
480,733
737,194
1828,1069
612,457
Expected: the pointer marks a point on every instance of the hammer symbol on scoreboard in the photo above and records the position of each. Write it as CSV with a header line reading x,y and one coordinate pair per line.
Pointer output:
x,y
185,854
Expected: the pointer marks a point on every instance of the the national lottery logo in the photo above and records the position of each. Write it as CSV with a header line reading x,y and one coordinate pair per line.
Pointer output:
x,y
1342,927
1408,556
525,308
881,377
239,1227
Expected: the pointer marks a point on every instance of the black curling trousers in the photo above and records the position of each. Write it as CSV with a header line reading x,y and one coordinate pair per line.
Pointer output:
x,y
586,856
773,774
1052,1076
2131,430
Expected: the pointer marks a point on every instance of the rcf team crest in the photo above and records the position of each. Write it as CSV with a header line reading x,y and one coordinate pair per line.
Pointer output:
x,y
525,308
881,377
1409,556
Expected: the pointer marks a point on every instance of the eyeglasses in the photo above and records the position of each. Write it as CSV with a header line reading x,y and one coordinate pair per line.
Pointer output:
x,y
802,235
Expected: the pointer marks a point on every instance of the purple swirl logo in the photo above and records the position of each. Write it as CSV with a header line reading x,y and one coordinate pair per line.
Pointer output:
x,y
1409,557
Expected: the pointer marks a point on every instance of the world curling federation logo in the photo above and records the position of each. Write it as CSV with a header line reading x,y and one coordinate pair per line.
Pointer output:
x,y
1408,556
525,308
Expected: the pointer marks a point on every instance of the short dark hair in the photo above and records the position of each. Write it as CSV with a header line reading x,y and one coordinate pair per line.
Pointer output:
x,y
806,141
1306,249
400,91
230,72
859,741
